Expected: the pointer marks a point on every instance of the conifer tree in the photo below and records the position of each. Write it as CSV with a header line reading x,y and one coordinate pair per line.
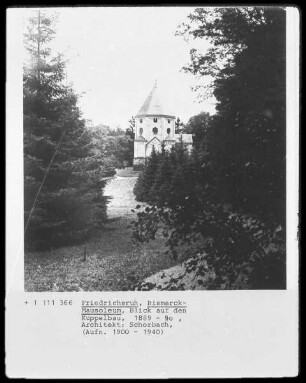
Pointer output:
x,y
161,189
63,200
147,178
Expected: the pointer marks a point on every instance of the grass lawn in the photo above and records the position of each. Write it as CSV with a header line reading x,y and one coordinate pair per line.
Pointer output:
x,y
113,262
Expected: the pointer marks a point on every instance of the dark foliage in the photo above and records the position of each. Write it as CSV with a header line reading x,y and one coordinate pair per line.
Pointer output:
x,y
238,161
242,251
63,191
116,146
146,179
199,127
246,140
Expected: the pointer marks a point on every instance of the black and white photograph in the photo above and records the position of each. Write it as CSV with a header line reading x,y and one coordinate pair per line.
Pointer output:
x,y
154,144
152,191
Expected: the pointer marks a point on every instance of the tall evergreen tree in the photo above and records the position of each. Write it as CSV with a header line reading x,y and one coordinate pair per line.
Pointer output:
x,y
63,199
147,178
161,188
246,141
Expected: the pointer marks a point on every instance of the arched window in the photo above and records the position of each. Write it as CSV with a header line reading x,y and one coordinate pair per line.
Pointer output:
x,y
155,130
140,120
154,119
168,130
140,131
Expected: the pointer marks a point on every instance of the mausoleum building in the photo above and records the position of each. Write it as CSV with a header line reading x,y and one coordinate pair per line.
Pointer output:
x,y
155,125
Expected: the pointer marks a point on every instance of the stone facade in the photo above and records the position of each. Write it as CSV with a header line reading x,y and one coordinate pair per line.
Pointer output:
x,y
154,126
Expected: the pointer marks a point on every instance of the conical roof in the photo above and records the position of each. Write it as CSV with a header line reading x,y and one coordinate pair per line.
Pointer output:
x,y
153,106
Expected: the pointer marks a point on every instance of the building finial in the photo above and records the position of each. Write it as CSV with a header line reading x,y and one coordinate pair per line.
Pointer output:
x,y
155,85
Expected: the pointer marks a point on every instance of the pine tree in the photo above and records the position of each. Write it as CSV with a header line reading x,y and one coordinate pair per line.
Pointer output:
x,y
63,199
147,178
160,191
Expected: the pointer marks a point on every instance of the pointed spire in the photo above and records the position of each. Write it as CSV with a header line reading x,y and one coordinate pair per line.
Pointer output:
x,y
152,105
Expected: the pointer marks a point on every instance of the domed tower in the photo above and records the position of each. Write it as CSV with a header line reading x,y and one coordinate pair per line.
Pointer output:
x,y
153,126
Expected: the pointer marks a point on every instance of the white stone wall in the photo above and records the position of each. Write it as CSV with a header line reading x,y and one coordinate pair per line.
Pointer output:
x,y
148,124
143,149
149,147
139,149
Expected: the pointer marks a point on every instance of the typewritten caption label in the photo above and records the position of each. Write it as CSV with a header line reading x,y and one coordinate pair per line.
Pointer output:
x,y
120,317
150,317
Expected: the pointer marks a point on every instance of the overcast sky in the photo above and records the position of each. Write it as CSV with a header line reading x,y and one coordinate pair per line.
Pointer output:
x,y
115,54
